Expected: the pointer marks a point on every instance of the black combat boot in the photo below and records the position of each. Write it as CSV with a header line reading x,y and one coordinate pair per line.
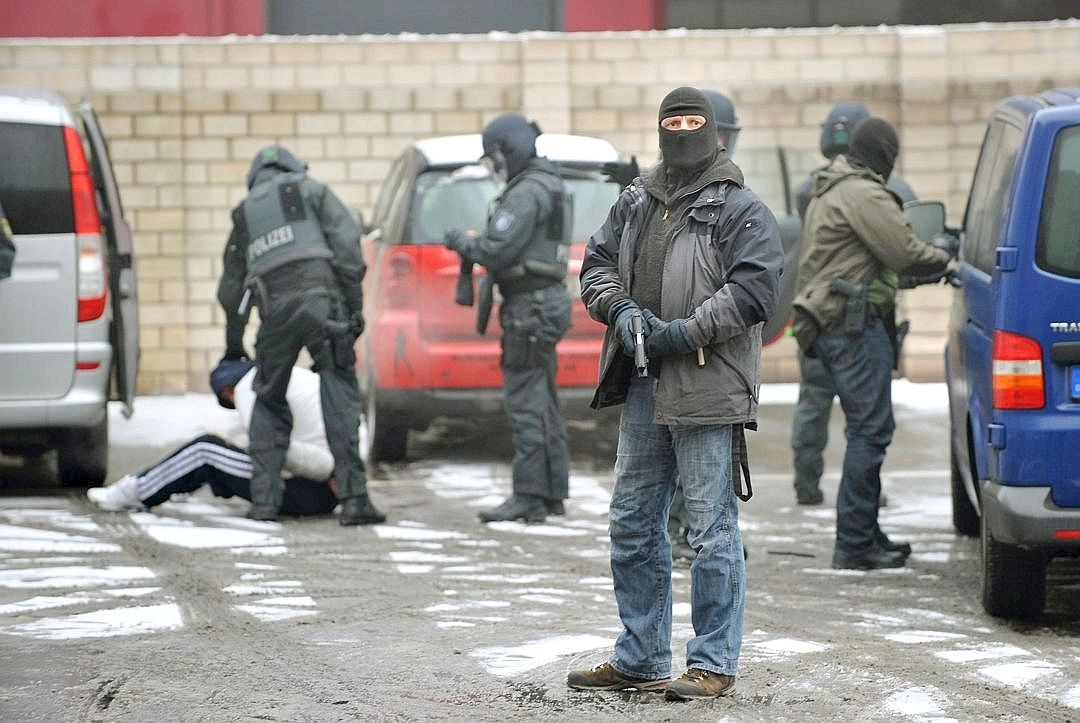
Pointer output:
x,y
358,510
517,507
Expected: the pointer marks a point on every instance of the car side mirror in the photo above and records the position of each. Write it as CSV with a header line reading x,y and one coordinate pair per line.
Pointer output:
x,y
927,219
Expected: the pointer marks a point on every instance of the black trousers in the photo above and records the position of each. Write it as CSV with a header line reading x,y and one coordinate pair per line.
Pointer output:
x,y
210,460
300,309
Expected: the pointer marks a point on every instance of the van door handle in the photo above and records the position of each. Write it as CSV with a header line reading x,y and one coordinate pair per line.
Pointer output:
x,y
1065,352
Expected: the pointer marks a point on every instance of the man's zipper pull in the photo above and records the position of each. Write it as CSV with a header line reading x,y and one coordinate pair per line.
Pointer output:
x,y
665,215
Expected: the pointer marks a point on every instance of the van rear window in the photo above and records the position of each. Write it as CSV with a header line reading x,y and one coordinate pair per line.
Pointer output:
x,y
35,184
1059,229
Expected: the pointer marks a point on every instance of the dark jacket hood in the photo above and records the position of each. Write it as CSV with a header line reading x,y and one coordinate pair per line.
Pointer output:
x,y
721,169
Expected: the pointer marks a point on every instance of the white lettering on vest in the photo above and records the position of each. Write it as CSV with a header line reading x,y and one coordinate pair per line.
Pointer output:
x,y
270,240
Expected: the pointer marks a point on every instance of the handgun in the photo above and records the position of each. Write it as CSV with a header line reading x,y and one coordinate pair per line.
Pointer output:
x,y
637,328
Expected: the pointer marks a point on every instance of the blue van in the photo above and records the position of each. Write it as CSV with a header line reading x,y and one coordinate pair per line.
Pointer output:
x,y
1012,361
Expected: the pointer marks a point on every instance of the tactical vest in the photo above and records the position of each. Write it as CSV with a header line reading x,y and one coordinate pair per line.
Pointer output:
x,y
546,256
281,227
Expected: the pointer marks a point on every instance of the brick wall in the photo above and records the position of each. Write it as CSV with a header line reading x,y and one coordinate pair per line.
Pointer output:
x,y
185,116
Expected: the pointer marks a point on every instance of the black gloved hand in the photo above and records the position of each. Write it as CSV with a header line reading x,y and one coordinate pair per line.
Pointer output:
x,y
234,355
619,319
356,323
621,173
666,337
452,239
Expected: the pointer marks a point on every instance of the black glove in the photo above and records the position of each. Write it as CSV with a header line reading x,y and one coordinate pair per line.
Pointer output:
x,y
619,319
234,355
947,242
621,173
666,337
356,323
452,239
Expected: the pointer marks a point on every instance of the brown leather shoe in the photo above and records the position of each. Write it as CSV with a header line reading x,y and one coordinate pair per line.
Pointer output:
x,y
604,677
697,683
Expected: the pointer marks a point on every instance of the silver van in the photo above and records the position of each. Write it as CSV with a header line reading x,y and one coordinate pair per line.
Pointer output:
x,y
68,313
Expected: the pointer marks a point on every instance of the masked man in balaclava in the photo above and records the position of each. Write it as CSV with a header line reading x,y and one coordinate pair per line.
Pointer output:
x,y
294,252
810,425
698,255
525,250
853,231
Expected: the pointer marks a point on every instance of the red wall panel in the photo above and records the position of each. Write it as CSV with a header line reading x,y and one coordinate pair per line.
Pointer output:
x,y
613,14
93,18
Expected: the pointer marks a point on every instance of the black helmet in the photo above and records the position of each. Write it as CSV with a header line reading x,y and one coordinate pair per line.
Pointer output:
x,y
509,143
727,125
838,126
276,157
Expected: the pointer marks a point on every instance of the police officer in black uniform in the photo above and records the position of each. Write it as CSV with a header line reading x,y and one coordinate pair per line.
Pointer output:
x,y
294,252
525,249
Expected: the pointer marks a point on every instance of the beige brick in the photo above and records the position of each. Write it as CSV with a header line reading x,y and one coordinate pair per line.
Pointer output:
x,y
591,73
295,53
274,77
111,78
396,52
431,52
750,46
390,99
922,68
318,76
799,46
247,54
591,122
364,76
412,123
122,149
820,70
539,50
343,99
228,77
621,49
453,122
410,74
224,125
205,149
500,74
462,75
318,123
477,51
274,124
366,123
161,360
546,72
296,101
341,52
157,78
618,96
202,54
204,101
249,101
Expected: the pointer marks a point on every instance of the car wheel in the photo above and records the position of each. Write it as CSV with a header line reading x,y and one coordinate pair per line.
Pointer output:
x,y
1013,579
83,455
965,517
383,439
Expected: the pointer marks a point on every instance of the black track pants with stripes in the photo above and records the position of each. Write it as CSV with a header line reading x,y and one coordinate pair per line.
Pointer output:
x,y
210,460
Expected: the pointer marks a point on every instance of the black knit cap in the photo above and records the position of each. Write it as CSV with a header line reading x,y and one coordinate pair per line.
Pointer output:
x,y
687,101
874,144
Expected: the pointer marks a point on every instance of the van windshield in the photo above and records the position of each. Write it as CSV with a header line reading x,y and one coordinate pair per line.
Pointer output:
x,y
1059,229
462,199
35,187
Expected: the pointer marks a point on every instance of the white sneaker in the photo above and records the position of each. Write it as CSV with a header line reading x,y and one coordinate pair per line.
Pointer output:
x,y
119,496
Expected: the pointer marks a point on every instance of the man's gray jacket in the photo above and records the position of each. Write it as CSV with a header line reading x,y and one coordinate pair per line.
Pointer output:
x,y
721,273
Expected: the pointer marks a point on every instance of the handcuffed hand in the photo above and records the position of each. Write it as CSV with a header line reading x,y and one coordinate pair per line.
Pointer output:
x,y
666,338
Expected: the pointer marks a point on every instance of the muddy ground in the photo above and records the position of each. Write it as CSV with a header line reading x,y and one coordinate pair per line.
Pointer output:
x,y
195,613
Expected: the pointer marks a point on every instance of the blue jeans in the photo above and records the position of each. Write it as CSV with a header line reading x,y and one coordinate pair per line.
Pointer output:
x,y
810,427
861,370
650,458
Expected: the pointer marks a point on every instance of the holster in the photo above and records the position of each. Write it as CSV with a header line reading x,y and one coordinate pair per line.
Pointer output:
x,y
855,310
486,298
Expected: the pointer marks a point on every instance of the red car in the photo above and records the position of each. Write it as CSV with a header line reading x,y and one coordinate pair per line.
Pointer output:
x,y
421,356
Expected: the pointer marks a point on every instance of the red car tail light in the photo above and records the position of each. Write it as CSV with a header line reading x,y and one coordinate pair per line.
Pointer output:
x,y
400,288
91,261
1017,372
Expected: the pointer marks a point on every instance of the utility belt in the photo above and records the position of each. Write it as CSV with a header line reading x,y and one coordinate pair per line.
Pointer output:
x,y
287,280
513,287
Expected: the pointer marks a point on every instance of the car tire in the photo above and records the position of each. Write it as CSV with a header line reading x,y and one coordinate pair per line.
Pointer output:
x,y
386,438
83,455
964,515
1013,579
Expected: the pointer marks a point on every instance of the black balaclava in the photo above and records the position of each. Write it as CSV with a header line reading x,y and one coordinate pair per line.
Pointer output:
x,y
838,125
727,125
510,142
276,157
875,145
687,152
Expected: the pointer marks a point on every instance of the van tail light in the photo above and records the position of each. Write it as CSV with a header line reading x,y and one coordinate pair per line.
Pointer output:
x,y
1017,372
91,261
1067,535
400,289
